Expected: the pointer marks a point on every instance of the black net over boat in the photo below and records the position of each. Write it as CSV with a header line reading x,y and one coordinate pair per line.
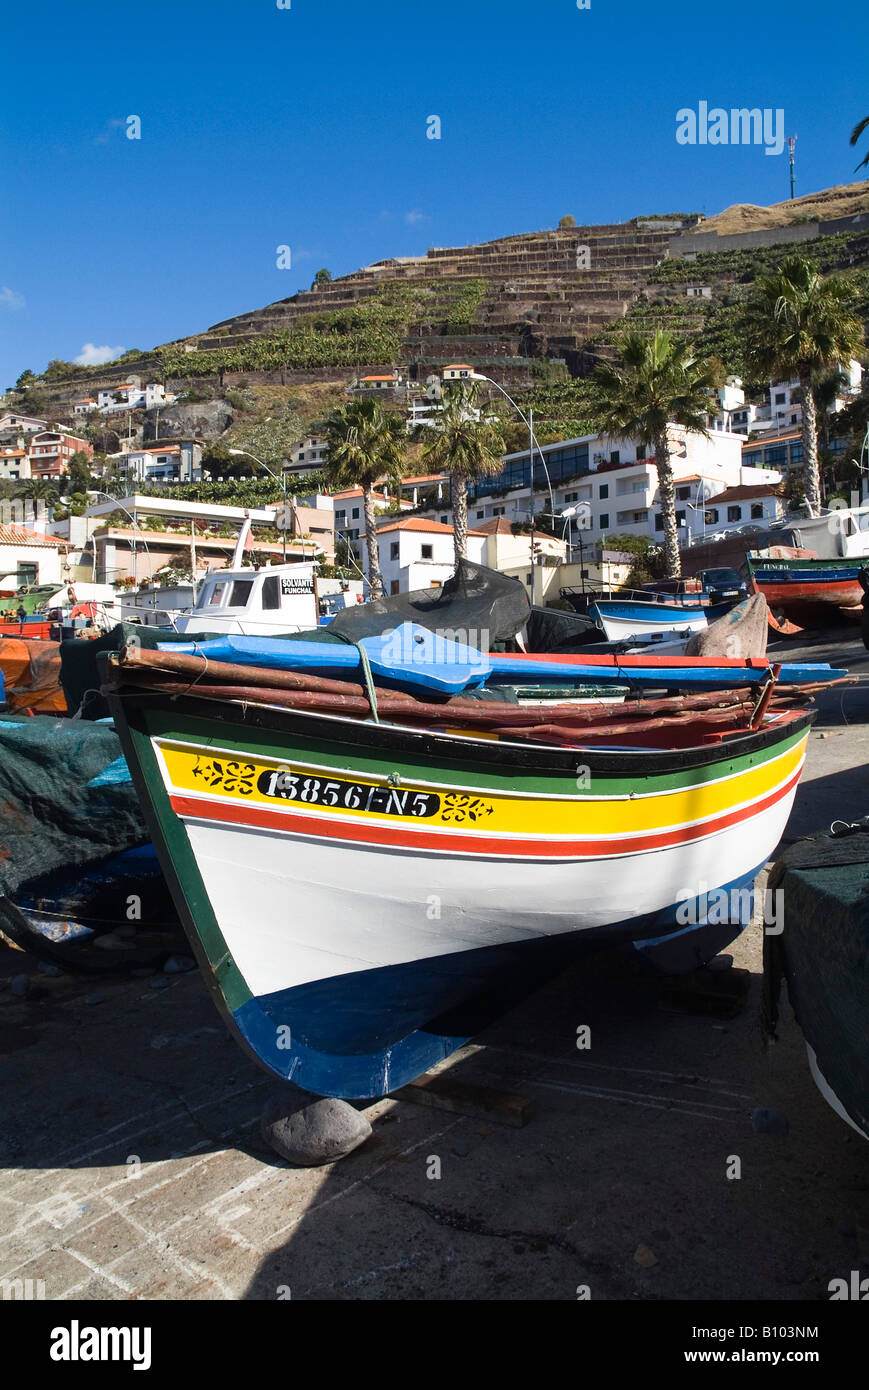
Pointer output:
x,y
66,794
477,606
554,630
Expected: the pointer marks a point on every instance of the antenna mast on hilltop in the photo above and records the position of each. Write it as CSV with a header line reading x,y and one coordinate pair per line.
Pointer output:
x,y
791,142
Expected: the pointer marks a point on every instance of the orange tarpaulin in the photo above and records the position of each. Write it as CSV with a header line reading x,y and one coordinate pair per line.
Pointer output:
x,y
31,670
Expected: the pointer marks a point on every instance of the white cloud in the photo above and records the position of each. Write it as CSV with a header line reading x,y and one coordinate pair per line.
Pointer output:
x,y
414,216
92,356
11,299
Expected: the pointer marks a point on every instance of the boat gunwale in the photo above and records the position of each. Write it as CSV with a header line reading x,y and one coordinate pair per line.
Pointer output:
x,y
523,757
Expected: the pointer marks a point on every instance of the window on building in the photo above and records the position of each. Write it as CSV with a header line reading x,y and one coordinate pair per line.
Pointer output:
x,y
604,520
272,592
26,573
780,398
427,552
641,452
571,497
604,491
683,493
340,518
710,516
480,515
615,456
444,521
680,518
529,578
775,453
393,550
499,511
734,513
659,522
757,511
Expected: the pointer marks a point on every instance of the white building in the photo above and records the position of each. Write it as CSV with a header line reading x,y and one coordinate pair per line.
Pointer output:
x,y
309,454
613,484
132,396
31,557
14,465
168,463
20,424
737,509
784,408
417,554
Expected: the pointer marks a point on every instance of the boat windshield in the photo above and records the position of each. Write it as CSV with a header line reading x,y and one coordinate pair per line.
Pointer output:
x,y
212,595
241,590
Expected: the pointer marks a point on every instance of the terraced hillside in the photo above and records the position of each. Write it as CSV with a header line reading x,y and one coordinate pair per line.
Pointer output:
x,y
539,294
505,305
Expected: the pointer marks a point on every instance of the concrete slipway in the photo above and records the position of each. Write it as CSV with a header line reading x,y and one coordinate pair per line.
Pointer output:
x,y
132,1165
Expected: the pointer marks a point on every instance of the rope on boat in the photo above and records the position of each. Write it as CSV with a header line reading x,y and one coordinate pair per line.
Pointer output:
x,y
368,680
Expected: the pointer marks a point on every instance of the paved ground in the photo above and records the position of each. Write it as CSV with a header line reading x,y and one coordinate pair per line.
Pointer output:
x,y
132,1165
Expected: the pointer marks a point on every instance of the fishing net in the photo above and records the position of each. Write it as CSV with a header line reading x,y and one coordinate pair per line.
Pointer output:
x,y
65,797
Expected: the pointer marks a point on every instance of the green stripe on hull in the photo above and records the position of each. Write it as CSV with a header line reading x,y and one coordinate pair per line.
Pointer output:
x,y
223,977
452,772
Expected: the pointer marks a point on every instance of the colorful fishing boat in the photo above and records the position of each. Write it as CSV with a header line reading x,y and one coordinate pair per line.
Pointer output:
x,y
369,878
800,588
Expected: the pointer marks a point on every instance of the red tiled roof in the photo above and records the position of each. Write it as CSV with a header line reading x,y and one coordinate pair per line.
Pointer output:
x,y
19,535
416,523
498,526
744,494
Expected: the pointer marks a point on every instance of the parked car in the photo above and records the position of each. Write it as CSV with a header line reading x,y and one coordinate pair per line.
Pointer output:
x,y
724,585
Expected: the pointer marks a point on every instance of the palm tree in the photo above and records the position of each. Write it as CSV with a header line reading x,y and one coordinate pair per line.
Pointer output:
x,y
855,136
467,442
38,490
799,324
659,382
365,445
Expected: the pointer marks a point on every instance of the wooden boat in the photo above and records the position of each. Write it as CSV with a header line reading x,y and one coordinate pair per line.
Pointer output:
x,y
367,876
801,588
821,952
630,617
33,627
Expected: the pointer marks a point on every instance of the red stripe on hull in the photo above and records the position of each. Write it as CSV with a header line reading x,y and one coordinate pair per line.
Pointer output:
x,y
42,631
840,594
389,837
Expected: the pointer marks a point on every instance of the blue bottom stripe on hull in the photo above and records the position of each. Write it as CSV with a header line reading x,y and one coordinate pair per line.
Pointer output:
x,y
368,1032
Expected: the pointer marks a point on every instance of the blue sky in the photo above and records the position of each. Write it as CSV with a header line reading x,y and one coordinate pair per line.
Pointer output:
x,y
306,127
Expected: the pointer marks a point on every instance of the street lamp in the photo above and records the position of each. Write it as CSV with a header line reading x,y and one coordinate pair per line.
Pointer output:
x,y
283,482
528,420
